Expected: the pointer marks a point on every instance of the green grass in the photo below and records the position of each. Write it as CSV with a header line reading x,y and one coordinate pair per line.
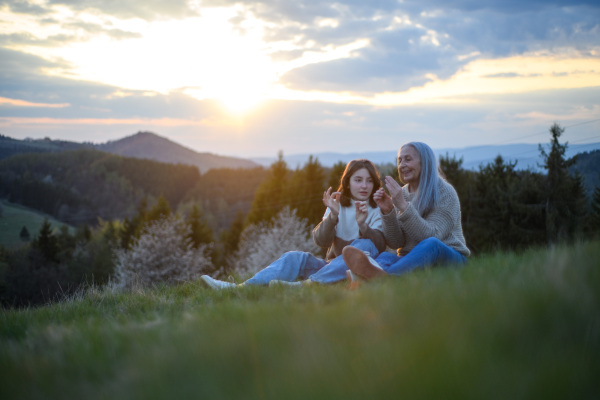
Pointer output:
x,y
507,326
15,217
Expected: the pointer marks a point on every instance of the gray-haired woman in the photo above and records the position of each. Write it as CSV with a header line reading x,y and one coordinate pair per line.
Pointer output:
x,y
421,219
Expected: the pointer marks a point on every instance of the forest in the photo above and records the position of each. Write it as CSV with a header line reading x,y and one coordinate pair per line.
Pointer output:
x,y
144,222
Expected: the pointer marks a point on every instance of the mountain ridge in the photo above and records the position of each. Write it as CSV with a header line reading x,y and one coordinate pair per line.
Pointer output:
x,y
141,145
527,155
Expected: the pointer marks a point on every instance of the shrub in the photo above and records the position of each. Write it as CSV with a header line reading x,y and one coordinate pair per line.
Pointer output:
x,y
263,243
162,253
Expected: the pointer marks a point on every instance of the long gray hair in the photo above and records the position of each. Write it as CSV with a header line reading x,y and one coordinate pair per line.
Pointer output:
x,y
428,193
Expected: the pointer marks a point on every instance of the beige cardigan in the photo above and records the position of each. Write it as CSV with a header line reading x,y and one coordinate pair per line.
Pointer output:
x,y
404,230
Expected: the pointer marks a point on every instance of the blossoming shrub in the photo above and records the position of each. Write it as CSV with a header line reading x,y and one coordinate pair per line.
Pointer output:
x,y
263,243
163,253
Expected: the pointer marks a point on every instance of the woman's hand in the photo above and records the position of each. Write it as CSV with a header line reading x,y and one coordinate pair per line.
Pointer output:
x,y
383,201
396,192
362,212
332,200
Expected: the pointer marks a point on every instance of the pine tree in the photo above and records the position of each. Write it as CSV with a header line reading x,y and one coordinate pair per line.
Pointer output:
x,y
200,232
24,235
564,193
335,175
47,242
305,191
594,220
161,210
271,195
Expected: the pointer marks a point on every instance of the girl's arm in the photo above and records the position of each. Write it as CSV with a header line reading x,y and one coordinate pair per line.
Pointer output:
x,y
324,233
370,226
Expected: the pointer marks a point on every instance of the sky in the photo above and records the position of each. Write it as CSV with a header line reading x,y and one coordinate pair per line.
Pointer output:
x,y
254,78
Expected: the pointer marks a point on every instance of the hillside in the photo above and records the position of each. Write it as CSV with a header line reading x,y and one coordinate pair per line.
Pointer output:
x,y
588,166
153,147
14,217
506,326
143,145
81,185
10,147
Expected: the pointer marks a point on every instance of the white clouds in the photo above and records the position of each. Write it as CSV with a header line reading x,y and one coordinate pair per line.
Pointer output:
x,y
380,67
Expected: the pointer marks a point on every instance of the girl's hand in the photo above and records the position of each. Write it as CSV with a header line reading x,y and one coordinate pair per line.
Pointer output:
x,y
362,212
383,201
332,200
396,192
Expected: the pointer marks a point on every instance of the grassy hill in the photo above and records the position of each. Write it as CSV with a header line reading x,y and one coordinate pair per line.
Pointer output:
x,y
15,217
518,326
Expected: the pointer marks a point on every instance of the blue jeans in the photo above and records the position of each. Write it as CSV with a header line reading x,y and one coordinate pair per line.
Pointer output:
x,y
430,251
300,265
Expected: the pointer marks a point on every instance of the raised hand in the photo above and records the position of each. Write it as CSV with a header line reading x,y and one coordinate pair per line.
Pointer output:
x,y
332,200
396,192
383,201
362,212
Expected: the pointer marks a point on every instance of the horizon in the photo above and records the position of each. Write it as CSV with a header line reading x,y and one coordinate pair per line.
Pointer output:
x,y
250,80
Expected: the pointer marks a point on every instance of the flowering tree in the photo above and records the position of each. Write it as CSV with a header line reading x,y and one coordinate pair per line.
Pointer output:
x,y
263,243
163,253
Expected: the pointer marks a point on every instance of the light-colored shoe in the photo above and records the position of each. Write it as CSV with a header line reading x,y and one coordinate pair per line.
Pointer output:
x,y
276,282
361,264
217,284
353,280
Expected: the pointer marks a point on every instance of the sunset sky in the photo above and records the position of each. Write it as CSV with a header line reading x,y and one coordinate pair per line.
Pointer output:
x,y
305,76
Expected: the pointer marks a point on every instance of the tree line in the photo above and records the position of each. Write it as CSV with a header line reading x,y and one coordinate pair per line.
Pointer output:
x,y
503,208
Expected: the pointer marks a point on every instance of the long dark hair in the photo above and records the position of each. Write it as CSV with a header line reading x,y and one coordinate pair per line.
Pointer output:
x,y
351,168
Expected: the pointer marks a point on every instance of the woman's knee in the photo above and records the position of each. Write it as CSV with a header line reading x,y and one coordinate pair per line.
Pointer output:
x,y
431,242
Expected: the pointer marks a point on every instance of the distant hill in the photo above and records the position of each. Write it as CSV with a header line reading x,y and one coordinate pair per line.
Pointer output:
x,y
143,145
153,147
10,147
527,155
588,166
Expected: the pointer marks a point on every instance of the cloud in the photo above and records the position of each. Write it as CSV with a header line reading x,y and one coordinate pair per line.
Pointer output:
x,y
146,9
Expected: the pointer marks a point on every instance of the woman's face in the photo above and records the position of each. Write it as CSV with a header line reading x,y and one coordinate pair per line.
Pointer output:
x,y
361,185
409,166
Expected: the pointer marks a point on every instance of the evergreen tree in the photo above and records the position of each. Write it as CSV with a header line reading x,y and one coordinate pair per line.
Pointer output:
x,y
306,191
564,194
335,175
47,242
271,195
594,221
200,232
161,210
24,235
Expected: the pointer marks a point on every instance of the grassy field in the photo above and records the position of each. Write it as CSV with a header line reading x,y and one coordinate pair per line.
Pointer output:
x,y
15,217
507,326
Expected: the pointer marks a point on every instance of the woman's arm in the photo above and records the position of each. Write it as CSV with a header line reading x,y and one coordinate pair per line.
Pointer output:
x,y
439,223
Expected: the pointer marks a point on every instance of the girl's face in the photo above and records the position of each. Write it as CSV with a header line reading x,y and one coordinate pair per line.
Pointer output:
x,y
409,166
361,185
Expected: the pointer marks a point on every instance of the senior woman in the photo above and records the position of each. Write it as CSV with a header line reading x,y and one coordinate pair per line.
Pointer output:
x,y
421,219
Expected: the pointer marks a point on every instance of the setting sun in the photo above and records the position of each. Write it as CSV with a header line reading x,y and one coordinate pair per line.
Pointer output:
x,y
203,57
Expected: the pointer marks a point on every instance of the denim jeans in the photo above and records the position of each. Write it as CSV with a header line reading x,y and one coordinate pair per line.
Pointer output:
x,y
300,265
430,251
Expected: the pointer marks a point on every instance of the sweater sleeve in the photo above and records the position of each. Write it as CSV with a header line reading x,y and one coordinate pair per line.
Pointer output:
x,y
392,232
324,233
438,223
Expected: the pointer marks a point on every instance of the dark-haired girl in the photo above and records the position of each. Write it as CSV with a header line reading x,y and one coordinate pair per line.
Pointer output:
x,y
352,217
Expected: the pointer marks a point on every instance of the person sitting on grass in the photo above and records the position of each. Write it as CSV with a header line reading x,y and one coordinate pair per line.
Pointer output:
x,y
421,219
351,217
